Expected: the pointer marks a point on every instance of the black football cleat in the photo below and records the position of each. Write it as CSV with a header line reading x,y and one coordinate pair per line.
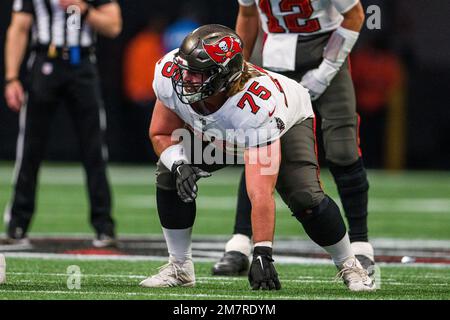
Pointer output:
x,y
13,244
233,263
367,263
104,241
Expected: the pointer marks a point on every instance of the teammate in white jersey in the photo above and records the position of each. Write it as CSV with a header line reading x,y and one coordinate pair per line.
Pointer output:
x,y
285,21
309,41
208,87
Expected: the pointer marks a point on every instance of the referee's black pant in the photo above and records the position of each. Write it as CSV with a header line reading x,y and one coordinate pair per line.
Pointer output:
x,y
52,81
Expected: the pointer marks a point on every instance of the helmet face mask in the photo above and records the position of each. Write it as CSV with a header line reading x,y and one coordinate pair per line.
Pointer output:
x,y
192,85
209,59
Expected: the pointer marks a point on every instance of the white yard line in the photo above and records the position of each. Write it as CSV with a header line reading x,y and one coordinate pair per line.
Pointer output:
x,y
137,258
432,205
226,281
218,241
146,294
278,259
213,279
133,176
123,236
145,175
160,293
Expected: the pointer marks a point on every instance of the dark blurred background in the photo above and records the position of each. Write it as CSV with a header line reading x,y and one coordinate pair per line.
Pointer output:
x,y
401,74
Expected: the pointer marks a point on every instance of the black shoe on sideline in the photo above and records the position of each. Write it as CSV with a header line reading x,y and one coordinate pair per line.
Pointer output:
x,y
233,263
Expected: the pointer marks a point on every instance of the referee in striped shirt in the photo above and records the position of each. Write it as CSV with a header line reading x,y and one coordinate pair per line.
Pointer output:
x,y
61,67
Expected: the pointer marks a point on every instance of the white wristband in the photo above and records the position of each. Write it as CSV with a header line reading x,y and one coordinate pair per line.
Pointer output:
x,y
264,244
246,3
173,154
340,45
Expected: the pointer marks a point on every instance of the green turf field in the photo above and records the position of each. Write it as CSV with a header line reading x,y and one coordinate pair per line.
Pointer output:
x,y
405,205
410,205
47,279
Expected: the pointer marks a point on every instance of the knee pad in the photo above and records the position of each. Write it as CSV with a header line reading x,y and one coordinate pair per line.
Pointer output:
x,y
350,179
323,223
303,201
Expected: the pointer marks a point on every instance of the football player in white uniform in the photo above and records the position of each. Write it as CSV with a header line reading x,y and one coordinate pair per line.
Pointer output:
x,y
208,87
309,41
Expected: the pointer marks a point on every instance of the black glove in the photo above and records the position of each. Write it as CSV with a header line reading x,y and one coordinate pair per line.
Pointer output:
x,y
262,274
186,180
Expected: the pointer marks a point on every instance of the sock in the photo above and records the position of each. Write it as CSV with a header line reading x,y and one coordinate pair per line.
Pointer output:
x,y
173,212
179,243
353,189
264,244
239,242
340,251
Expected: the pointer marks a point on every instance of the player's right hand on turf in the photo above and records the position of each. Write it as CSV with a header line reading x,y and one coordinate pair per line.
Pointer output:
x,y
14,95
262,274
186,180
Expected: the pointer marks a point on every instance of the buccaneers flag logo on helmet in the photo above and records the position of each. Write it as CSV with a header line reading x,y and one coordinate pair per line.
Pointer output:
x,y
223,50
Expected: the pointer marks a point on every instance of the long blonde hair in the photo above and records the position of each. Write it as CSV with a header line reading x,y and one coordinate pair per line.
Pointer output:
x,y
248,73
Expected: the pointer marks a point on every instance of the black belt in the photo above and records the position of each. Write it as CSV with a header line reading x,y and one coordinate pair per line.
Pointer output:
x,y
62,53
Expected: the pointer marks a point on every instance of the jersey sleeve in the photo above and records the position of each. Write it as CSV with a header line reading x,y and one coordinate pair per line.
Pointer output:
x,y
25,6
344,5
246,3
155,83
162,84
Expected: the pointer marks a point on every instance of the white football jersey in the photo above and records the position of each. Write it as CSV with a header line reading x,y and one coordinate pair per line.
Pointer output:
x,y
283,21
303,17
262,112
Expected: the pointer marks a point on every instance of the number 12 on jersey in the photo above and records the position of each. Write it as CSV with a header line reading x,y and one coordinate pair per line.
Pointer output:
x,y
290,17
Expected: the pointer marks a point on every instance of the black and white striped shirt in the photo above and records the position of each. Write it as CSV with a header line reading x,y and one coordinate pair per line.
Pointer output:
x,y
54,25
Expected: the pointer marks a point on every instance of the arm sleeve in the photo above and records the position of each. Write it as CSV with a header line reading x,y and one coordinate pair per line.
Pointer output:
x,y
25,6
344,5
246,3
